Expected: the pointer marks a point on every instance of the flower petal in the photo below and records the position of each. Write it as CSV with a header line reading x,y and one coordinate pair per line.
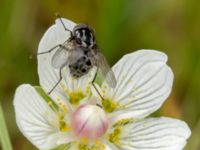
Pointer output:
x,y
62,34
155,134
144,81
48,75
108,148
111,146
35,119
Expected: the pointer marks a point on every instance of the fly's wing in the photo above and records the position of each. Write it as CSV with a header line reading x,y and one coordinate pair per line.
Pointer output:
x,y
105,69
75,55
60,58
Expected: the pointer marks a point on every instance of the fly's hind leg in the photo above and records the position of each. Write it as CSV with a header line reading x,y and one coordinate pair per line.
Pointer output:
x,y
59,80
95,85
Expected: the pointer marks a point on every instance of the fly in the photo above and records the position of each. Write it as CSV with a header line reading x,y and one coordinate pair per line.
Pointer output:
x,y
81,53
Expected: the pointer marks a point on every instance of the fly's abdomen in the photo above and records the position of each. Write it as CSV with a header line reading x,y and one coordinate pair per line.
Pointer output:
x,y
81,67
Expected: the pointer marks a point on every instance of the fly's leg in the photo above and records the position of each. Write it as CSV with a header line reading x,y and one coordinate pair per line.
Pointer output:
x,y
60,78
95,85
46,52
52,49
59,17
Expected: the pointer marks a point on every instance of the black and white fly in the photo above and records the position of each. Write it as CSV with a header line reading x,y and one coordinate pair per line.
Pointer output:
x,y
80,53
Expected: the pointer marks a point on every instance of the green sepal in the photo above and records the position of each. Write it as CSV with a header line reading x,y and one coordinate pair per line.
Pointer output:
x,y
47,98
63,147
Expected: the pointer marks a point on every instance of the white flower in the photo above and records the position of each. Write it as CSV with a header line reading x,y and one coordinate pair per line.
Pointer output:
x,y
69,117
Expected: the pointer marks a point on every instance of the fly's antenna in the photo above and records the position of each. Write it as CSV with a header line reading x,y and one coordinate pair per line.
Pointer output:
x,y
59,17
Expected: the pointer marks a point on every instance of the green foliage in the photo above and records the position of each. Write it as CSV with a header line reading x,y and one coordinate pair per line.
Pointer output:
x,y
4,136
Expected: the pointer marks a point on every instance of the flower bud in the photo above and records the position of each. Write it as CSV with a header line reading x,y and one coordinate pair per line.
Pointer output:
x,y
89,121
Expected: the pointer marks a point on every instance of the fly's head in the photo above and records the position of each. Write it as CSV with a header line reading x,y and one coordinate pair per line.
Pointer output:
x,y
84,35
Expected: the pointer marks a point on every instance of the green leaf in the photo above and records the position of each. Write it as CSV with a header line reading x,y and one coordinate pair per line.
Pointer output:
x,y
4,136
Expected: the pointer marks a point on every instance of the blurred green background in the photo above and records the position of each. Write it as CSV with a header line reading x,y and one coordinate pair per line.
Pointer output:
x,y
122,26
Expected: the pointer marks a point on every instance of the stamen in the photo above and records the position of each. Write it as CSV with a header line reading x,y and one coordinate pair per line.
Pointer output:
x,y
123,122
76,97
52,106
114,137
62,106
63,126
60,112
90,147
88,89
110,105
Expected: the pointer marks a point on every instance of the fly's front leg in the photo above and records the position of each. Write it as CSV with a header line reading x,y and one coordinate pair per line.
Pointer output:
x,y
59,17
60,78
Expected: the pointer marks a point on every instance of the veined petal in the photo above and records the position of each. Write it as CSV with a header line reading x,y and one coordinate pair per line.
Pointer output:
x,y
108,148
62,34
48,75
154,134
144,81
112,146
83,83
36,120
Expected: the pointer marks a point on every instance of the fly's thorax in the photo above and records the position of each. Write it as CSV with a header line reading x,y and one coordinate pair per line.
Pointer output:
x,y
69,44
84,35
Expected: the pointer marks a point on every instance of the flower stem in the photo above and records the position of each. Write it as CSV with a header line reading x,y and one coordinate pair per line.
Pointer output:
x,y
4,136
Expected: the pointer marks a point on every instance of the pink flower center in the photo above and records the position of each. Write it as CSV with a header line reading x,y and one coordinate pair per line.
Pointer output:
x,y
89,121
